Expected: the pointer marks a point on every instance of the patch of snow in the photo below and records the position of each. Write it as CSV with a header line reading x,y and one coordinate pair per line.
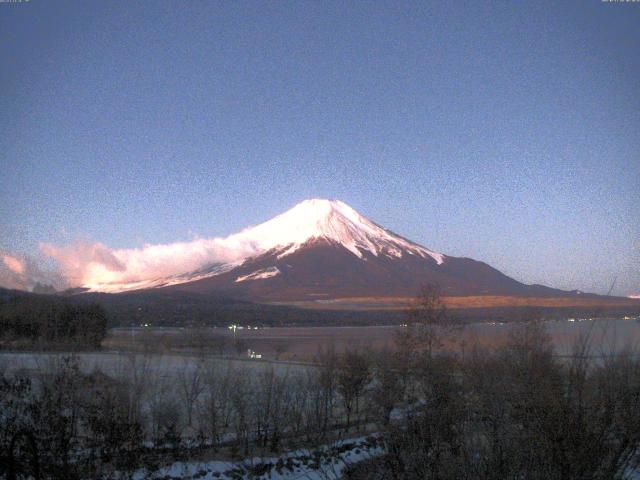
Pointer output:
x,y
322,463
211,271
259,274
634,296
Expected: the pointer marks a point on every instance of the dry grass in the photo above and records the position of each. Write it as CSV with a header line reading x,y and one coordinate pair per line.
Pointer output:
x,y
476,301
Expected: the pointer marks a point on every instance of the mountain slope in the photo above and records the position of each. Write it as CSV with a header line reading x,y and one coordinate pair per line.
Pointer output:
x,y
323,269
310,220
324,249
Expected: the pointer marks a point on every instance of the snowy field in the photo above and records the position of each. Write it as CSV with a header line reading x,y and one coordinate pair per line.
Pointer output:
x,y
323,463
114,363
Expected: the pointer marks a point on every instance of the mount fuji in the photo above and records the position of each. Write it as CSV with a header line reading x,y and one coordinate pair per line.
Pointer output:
x,y
322,250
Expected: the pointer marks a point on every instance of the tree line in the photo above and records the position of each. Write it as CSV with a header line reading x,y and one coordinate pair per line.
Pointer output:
x,y
516,412
45,321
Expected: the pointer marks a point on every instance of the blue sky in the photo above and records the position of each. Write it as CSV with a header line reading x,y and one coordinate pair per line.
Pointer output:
x,y
506,132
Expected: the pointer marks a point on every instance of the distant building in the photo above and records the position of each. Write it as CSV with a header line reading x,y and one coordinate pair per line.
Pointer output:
x,y
252,354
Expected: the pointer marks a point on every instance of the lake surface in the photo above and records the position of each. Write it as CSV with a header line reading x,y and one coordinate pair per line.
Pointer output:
x,y
304,343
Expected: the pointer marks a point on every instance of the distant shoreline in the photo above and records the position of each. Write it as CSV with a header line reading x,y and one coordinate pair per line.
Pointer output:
x,y
467,302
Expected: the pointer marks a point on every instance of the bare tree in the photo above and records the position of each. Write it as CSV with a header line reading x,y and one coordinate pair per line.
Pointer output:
x,y
167,422
136,371
386,391
353,375
215,409
241,423
191,384
327,386
427,324
268,408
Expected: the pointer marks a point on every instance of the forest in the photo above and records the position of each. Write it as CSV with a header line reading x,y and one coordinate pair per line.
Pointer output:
x,y
31,321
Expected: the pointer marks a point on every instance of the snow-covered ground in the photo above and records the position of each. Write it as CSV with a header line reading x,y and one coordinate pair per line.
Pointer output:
x,y
323,463
116,363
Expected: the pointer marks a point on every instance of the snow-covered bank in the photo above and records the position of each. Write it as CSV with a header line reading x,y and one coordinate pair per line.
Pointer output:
x,y
322,463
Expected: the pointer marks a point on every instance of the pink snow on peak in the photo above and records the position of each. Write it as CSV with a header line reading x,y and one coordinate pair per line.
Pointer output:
x,y
330,220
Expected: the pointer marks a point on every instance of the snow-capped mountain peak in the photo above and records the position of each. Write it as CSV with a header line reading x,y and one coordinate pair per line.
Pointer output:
x,y
330,220
312,220
318,250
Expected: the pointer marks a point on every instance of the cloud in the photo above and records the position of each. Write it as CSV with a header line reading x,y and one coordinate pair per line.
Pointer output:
x,y
80,259
93,264
22,272
14,264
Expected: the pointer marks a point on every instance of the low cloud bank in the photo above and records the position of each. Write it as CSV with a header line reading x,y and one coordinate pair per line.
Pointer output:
x,y
21,272
92,264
